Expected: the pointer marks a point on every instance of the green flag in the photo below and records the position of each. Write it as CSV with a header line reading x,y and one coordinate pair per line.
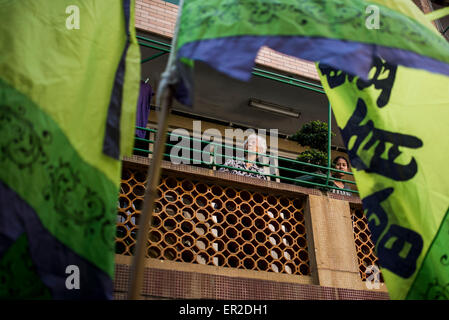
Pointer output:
x,y
385,69
69,77
394,126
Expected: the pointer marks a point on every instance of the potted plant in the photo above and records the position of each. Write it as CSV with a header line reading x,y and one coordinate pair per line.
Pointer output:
x,y
313,135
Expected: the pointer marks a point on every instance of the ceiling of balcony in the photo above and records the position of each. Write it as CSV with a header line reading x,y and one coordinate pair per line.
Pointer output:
x,y
222,98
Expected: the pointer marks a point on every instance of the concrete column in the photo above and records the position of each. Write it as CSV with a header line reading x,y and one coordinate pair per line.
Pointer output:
x,y
331,243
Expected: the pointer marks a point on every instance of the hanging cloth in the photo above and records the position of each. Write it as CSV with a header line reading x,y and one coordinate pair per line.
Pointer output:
x,y
143,108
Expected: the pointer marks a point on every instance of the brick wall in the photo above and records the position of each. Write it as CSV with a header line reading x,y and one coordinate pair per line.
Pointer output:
x,y
424,5
272,59
156,16
159,17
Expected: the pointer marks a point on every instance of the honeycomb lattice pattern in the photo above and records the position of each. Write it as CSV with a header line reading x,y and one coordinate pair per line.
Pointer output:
x,y
208,224
363,243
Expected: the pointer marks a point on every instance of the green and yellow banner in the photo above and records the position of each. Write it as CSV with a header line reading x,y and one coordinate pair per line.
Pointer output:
x,y
395,127
388,83
69,79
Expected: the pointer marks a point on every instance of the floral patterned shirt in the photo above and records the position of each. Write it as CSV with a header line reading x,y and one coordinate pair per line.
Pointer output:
x,y
242,165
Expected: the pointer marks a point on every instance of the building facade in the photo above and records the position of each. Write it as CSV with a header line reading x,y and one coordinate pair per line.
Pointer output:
x,y
217,235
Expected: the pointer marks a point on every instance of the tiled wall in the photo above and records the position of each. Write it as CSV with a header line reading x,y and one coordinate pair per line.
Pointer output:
x,y
424,5
156,16
174,284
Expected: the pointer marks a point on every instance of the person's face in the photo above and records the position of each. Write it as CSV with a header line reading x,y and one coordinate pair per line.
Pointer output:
x,y
253,145
341,165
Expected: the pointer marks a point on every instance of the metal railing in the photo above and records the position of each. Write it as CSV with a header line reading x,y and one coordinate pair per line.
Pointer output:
x,y
165,48
326,177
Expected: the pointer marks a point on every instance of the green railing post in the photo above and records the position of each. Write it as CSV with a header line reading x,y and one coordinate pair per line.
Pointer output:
x,y
329,138
166,48
157,55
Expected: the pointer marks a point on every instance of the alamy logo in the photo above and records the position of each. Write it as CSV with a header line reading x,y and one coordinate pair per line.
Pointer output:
x,y
73,280
73,20
373,20
373,277
217,145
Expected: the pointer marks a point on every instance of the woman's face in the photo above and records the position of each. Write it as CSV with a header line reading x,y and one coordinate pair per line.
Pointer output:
x,y
252,145
341,165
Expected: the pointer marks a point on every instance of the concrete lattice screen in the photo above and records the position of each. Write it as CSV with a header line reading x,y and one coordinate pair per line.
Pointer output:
x,y
210,224
222,225
363,243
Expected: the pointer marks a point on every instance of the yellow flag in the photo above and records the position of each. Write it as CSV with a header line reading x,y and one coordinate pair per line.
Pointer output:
x,y
395,127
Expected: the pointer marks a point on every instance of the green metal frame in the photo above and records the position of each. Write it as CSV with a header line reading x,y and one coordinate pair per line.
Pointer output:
x,y
166,48
157,55
329,130
326,177
172,1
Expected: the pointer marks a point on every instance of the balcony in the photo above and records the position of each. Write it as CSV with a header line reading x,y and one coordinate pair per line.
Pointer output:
x,y
216,235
